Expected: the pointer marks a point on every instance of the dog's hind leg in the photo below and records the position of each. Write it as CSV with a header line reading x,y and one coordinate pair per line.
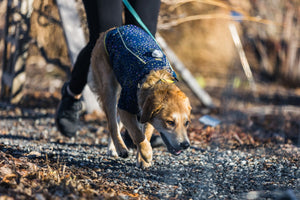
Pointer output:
x,y
107,88
109,100
111,150
108,96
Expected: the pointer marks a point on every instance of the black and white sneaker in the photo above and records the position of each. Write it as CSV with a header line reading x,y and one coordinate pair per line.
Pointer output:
x,y
67,114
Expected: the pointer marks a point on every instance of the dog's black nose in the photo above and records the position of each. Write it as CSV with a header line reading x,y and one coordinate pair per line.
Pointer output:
x,y
184,145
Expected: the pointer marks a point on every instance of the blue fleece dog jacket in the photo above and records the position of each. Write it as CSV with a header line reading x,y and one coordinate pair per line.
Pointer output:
x,y
133,53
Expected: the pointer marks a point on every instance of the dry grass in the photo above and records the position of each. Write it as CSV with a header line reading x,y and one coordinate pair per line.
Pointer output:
x,y
23,179
205,46
37,177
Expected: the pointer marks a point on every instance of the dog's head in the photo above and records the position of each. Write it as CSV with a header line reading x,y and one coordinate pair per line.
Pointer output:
x,y
168,110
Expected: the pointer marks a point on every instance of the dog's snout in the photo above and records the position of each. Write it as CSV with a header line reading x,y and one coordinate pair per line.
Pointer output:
x,y
185,145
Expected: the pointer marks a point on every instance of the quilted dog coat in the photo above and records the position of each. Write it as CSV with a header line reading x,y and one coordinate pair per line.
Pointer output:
x,y
133,53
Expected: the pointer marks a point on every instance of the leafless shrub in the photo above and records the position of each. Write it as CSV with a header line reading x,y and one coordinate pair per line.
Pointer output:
x,y
277,46
273,34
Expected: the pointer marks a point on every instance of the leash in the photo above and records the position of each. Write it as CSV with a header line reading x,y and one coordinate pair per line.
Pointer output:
x,y
139,20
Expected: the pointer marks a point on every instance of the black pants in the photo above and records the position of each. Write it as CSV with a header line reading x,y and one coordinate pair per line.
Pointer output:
x,y
102,15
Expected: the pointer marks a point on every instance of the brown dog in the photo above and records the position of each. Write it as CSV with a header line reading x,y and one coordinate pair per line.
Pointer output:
x,y
162,106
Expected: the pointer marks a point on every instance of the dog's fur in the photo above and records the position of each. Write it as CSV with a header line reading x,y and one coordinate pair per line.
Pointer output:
x,y
163,107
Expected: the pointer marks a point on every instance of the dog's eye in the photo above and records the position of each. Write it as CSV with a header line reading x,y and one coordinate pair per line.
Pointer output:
x,y
187,123
170,123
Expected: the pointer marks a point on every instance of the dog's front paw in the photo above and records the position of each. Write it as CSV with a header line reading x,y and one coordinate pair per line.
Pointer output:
x,y
145,150
141,163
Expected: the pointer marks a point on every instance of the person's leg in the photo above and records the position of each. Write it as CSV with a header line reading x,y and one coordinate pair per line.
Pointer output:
x,y
148,12
101,15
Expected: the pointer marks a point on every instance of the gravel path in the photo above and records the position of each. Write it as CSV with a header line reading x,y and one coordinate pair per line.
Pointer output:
x,y
202,172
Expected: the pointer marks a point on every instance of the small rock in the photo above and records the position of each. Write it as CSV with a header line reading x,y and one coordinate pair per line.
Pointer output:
x,y
252,195
40,197
34,154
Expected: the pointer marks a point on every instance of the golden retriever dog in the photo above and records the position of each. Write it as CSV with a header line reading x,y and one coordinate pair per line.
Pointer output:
x,y
128,66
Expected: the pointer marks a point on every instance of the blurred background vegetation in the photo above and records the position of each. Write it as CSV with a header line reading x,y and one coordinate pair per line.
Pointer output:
x,y
197,30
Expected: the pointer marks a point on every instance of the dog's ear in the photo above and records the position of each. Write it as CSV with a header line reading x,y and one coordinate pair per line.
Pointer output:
x,y
150,108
